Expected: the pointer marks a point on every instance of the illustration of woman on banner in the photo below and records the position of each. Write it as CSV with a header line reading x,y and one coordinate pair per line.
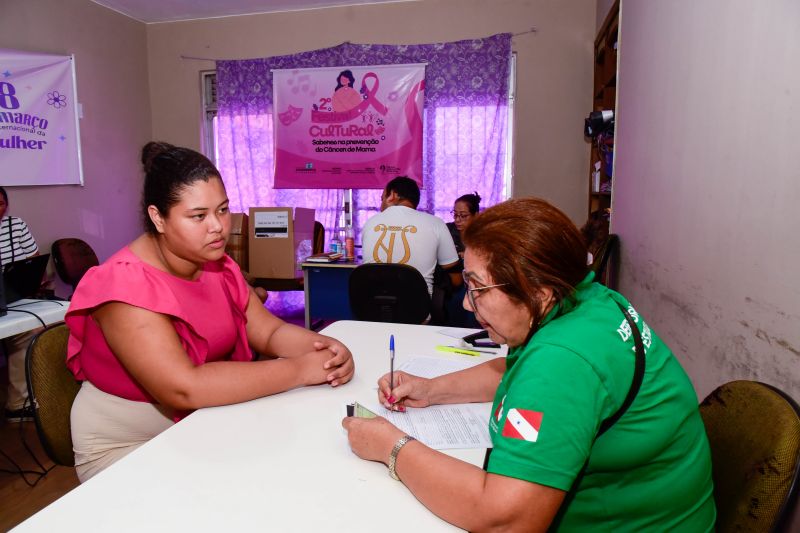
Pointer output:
x,y
345,97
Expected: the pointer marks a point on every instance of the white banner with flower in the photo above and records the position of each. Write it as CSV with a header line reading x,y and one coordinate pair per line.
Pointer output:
x,y
39,133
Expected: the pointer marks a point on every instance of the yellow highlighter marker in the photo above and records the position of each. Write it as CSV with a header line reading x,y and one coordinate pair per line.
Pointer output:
x,y
461,351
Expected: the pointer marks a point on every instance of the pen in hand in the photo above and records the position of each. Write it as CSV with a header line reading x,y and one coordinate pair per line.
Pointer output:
x,y
391,365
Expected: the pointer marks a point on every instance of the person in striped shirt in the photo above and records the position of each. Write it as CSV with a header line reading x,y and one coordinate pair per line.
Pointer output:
x,y
16,242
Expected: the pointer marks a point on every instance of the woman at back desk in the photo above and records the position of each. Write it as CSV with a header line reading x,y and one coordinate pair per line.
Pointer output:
x,y
167,324
465,209
569,369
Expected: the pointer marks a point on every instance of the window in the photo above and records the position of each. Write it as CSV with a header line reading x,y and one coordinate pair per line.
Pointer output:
x,y
208,80
456,152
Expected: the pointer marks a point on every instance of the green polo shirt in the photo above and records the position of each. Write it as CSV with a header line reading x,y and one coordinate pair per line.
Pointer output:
x,y
652,470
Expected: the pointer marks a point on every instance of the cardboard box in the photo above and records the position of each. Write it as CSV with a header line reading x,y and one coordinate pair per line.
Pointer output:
x,y
279,238
237,246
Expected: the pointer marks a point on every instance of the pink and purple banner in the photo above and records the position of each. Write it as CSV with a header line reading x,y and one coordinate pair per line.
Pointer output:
x,y
348,127
39,135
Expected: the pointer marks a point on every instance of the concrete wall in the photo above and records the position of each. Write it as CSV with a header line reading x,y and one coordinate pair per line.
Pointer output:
x,y
707,186
111,65
554,70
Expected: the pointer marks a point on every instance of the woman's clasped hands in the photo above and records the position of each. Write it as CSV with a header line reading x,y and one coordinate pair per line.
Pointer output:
x,y
331,362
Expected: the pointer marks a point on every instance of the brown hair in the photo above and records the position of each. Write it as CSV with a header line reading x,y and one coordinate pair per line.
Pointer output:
x,y
529,244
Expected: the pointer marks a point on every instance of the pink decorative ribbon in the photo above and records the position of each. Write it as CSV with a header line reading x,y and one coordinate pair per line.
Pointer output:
x,y
412,113
346,116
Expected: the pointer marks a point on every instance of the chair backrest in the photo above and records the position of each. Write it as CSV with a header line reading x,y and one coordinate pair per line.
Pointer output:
x,y
72,258
319,237
52,389
389,293
754,433
606,262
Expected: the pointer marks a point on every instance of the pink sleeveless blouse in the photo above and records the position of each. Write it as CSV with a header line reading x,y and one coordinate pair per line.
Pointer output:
x,y
208,315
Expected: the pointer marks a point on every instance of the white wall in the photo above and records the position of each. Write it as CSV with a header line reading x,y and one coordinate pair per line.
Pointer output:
x,y
707,183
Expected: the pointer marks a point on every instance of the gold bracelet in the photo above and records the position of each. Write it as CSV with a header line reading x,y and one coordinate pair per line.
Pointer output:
x,y
393,456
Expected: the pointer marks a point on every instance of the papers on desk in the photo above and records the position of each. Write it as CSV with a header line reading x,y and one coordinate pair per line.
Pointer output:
x,y
431,367
457,333
324,257
445,427
442,427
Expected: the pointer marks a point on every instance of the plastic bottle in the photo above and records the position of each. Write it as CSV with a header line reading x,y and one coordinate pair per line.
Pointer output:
x,y
336,245
349,244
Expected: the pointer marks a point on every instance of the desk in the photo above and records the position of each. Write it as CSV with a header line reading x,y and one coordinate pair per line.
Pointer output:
x,y
50,311
326,287
280,463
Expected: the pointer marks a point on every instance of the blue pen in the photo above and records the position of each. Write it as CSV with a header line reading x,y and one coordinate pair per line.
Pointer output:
x,y
391,363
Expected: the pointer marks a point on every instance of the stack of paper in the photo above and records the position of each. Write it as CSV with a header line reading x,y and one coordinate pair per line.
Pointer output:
x,y
325,257
442,427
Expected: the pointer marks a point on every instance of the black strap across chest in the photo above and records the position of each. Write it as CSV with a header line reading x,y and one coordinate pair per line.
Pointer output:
x,y
636,383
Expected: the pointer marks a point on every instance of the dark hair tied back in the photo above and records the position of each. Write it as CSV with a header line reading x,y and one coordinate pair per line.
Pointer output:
x,y
151,150
168,170
473,201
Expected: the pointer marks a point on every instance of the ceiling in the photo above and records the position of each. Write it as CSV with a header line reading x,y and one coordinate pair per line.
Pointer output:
x,y
151,11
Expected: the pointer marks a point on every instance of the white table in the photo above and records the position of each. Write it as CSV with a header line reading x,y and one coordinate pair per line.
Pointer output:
x,y
280,463
15,322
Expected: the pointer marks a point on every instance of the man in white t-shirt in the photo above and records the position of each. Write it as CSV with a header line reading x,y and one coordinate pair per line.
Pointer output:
x,y
401,234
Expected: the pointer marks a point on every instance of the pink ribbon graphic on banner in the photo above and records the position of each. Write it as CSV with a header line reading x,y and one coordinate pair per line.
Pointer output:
x,y
346,116
412,113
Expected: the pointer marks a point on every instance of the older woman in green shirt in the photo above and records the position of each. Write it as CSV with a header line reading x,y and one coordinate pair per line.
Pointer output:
x,y
570,368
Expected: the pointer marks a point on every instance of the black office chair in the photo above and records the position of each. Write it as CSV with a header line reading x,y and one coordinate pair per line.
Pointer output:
x,y
72,258
389,293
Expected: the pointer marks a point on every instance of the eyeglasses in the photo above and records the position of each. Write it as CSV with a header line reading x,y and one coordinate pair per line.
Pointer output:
x,y
472,290
460,216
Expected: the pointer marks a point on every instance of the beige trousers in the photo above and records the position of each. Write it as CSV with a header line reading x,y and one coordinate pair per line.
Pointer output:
x,y
16,347
106,428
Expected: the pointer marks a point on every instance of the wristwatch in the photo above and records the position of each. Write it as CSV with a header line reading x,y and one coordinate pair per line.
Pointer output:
x,y
405,439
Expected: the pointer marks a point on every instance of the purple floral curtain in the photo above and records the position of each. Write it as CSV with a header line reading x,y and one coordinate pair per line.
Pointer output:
x,y
466,97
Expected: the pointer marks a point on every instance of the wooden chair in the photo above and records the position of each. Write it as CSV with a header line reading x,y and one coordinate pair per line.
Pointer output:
x,y
52,389
389,293
754,433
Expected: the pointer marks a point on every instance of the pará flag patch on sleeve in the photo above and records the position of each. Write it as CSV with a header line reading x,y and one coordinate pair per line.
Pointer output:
x,y
523,424
498,414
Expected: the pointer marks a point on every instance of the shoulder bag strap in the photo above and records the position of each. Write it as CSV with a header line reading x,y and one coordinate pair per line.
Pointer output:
x,y
605,425
638,375
636,383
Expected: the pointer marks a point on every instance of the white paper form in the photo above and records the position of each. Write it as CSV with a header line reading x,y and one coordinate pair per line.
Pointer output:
x,y
442,427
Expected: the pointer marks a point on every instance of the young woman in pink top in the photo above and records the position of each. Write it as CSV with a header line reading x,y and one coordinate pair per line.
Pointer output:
x,y
168,324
